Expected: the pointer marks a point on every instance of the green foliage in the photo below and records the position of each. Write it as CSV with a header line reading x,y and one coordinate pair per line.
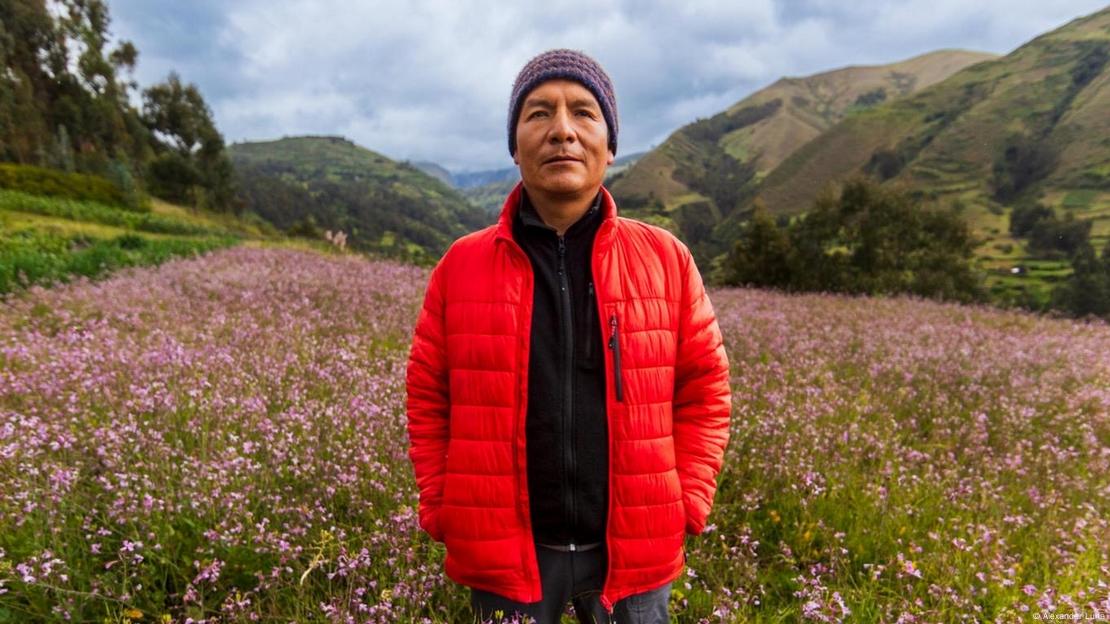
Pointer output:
x,y
31,256
871,98
885,163
99,213
865,239
305,226
1064,236
1087,289
1026,215
1079,199
65,105
762,256
174,178
191,166
1049,236
42,181
1024,161
712,129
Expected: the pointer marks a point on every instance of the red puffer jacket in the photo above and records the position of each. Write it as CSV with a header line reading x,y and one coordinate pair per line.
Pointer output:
x,y
668,405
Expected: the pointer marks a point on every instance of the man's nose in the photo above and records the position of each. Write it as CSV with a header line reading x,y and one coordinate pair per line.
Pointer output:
x,y
561,128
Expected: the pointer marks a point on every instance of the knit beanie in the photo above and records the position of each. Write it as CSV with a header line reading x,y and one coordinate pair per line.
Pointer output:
x,y
570,65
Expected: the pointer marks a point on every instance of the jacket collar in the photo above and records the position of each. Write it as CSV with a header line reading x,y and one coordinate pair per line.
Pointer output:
x,y
529,219
511,206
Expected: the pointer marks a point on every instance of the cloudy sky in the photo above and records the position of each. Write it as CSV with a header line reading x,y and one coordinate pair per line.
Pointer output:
x,y
430,79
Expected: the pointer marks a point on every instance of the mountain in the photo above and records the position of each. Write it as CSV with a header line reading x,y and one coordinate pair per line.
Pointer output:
x,y
1032,126
473,179
695,178
488,189
435,170
326,182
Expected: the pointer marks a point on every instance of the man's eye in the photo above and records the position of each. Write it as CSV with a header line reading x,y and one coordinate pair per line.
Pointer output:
x,y
537,113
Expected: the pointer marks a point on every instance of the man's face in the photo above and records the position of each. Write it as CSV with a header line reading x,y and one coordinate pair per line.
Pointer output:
x,y
561,139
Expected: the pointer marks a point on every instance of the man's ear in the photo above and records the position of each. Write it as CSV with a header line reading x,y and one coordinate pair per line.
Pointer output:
x,y
612,157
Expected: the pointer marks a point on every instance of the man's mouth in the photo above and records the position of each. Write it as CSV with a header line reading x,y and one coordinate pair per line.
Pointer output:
x,y
560,159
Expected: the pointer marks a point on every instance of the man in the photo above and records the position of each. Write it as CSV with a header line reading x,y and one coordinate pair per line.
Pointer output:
x,y
568,388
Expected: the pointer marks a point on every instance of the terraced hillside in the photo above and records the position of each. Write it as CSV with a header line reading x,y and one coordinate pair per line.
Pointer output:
x,y
1032,126
698,176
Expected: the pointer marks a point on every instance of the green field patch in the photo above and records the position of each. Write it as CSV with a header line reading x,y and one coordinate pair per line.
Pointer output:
x,y
248,223
674,203
738,144
44,256
99,213
1080,198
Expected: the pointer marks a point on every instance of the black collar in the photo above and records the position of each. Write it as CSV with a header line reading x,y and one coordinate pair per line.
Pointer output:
x,y
530,217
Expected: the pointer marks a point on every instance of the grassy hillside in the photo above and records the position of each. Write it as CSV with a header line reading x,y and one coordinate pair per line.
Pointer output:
x,y
697,176
46,239
1031,126
386,207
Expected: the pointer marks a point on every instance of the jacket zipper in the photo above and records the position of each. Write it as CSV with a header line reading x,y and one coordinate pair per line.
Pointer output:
x,y
590,323
568,389
615,345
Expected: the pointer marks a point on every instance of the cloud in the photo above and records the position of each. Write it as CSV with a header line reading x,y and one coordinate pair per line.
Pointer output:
x,y
430,79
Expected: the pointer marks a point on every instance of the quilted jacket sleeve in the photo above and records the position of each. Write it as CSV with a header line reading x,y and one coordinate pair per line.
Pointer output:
x,y
702,398
427,403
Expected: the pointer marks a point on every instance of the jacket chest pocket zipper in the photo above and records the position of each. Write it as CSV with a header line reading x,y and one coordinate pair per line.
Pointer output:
x,y
615,345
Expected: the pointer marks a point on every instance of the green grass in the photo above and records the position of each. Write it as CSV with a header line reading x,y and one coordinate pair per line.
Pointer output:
x,y
55,183
46,240
94,212
1081,198
43,257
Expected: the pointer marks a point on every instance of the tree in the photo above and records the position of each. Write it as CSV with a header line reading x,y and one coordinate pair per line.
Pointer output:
x,y
191,150
862,238
1087,289
27,34
1054,236
1025,160
897,245
762,256
63,112
1024,217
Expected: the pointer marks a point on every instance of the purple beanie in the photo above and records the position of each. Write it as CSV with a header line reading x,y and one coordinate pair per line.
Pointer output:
x,y
571,65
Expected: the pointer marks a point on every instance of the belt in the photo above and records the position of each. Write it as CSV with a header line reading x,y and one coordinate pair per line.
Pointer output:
x,y
572,547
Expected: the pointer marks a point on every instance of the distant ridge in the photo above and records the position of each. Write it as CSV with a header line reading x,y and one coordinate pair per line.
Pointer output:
x,y
329,182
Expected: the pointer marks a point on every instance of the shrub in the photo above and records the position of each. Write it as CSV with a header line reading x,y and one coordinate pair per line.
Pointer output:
x,y
99,213
49,182
865,239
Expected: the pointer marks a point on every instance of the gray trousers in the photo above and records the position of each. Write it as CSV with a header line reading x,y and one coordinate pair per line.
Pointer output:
x,y
576,577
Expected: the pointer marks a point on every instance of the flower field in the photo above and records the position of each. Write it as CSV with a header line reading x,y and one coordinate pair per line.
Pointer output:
x,y
222,439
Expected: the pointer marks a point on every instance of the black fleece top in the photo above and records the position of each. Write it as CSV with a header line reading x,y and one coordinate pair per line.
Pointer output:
x,y
566,429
